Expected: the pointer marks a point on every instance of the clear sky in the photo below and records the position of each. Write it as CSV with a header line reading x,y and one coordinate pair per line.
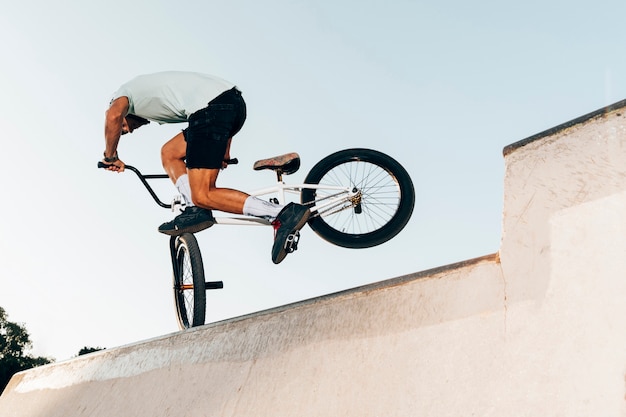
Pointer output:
x,y
442,86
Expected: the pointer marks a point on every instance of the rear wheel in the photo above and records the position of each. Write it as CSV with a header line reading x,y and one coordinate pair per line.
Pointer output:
x,y
189,284
381,208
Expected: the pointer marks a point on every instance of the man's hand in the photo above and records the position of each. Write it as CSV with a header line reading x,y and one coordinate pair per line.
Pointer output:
x,y
224,161
227,154
117,166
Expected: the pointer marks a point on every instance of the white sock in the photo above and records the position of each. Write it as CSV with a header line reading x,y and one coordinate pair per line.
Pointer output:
x,y
182,184
254,206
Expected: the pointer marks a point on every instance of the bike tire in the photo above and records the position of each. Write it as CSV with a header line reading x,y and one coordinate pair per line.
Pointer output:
x,y
189,284
387,198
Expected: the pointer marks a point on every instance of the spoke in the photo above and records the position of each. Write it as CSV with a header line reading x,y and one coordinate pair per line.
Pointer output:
x,y
379,201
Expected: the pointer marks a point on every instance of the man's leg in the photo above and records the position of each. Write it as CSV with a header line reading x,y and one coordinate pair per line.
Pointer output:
x,y
192,219
288,219
207,195
173,160
173,157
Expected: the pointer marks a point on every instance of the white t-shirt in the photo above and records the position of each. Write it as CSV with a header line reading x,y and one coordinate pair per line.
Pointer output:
x,y
171,96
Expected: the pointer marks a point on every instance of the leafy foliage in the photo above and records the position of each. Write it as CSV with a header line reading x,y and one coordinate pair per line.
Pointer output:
x,y
88,349
14,345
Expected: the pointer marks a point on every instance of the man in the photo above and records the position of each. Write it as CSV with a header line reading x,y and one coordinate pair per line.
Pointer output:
x,y
215,111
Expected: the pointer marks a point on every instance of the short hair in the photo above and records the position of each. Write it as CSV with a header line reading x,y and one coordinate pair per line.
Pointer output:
x,y
138,119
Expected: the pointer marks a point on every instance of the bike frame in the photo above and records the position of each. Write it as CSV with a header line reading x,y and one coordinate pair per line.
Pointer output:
x,y
337,201
342,197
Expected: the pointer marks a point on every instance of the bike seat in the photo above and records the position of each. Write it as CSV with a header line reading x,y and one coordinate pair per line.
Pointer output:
x,y
286,164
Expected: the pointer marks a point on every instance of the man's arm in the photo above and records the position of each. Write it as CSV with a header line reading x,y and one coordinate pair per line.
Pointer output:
x,y
113,122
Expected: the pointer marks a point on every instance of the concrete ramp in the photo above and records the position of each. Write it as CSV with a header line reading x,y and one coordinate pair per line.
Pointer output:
x,y
537,329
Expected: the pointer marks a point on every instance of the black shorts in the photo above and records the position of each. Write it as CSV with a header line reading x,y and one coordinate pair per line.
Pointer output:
x,y
210,128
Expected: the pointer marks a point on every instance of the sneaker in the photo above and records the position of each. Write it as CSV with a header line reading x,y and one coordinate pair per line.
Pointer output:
x,y
289,221
193,219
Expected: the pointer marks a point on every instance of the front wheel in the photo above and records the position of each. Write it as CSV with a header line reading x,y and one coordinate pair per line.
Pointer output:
x,y
189,285
382,204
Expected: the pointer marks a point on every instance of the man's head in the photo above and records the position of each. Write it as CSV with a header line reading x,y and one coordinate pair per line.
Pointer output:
x,y
132,122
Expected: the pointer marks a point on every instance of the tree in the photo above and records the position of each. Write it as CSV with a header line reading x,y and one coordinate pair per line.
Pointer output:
x,y
88,349
14,344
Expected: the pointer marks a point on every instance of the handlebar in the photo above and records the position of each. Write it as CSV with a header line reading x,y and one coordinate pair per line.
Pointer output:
x,y
143,178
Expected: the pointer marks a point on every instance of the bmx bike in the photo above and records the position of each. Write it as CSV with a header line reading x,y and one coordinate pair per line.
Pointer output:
x,y
358,198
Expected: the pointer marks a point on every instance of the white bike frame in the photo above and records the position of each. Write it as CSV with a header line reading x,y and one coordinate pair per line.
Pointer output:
x,y
340,199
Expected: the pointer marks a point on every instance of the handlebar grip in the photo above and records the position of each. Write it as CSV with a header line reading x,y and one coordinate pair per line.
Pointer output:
x,y
102,165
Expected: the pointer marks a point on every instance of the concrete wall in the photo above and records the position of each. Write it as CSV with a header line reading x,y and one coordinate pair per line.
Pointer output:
x,y
537,329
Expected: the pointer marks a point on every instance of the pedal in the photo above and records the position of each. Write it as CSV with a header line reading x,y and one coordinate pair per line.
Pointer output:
x,y
291,244
213,285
